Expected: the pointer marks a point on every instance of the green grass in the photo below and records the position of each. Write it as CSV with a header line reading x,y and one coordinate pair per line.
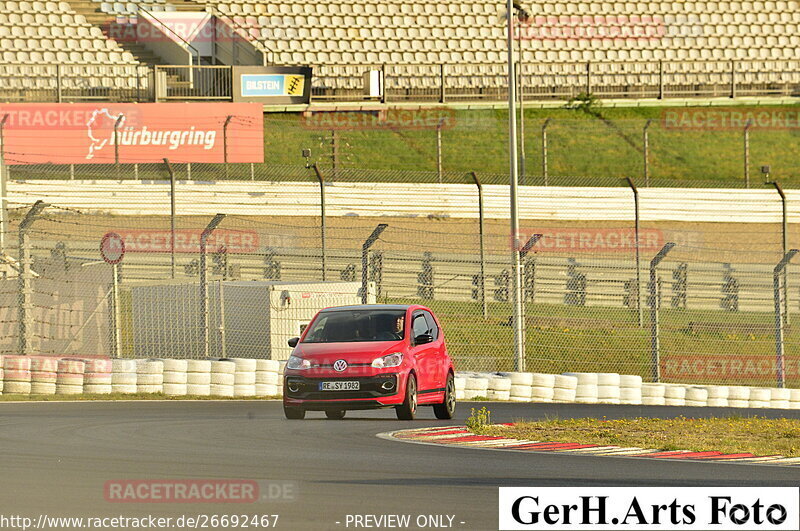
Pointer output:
x,y
604,340
755,435
583,150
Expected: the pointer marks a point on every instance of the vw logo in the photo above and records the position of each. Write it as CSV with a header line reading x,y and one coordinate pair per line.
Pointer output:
x,y
339,365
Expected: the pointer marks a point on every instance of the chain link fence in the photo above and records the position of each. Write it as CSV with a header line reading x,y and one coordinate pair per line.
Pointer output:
x,y
702,303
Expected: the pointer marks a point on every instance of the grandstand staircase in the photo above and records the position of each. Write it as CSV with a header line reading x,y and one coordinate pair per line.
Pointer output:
x,y
111,26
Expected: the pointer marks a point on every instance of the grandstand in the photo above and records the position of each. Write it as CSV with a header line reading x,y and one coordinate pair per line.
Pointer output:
x,y
424,48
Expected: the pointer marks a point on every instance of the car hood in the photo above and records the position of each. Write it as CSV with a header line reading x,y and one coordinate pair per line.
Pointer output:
x,y
353,352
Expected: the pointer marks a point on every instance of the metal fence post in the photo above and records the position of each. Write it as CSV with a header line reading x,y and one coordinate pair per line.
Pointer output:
x,y
116,311
365,260
639,308
733,79
785,248
544,150
120,118
780,367
225,144
439,150
521,88
25,310
171,216
747,153
222,342
481,234
3,186
588,77
204,279
646,142
321,179
59,84
655,344
661,80
442,90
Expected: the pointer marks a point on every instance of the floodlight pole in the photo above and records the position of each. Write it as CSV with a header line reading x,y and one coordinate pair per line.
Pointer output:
x,y
519,335
655,345
785,238
780,366
638,256
171,215
481,234
25,308
321,179
204,279
365,260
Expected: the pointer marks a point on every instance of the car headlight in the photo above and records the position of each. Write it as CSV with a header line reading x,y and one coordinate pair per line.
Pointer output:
x,y
392,360
297,363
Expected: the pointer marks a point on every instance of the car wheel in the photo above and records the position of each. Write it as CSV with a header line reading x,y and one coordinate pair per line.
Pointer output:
x,y
447,408
408,410
335,414
294,413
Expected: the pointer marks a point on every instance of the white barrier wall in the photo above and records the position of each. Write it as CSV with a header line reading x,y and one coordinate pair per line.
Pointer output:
x,y
380,199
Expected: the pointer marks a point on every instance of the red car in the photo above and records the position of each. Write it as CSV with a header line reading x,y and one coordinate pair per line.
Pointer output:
x,y
370,356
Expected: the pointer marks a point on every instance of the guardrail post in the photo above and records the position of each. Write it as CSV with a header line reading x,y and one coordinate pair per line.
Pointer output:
x,y
321,179
365,260
639,308
655,344
25,309
204,279
481,234
777,273
171,216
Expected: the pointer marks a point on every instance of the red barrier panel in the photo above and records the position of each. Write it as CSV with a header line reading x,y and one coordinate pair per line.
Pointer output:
x,y
83,133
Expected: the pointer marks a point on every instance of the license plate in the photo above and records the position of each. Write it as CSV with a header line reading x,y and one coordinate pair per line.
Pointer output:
x,y
339,386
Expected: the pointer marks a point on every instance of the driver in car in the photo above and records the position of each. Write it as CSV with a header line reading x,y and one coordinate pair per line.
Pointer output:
x,y
391,329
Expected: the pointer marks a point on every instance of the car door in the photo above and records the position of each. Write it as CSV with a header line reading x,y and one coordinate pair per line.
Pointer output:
x,y
438,358
424,355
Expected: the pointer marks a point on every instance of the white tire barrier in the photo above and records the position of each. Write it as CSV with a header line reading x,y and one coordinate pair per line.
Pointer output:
x,y
696,396
461,395
738,392
171,365
123,376
43,377
542,394
499,383
176,378
150,376
565,388
221,390
198,366
198,378
69,379
630,380
630,395
794,399
16,387
477,384
608,379
17,363
653,394
759,397
586,394
125,389
267,390
66,389
470,394
44,364
461,383
780,398
175,389
222,378
223,367
98,366
244,378
543,380
43,388
245,364
674,395
584,378
198,389
268,366
498,395
97,389
2,376
608,394
520,378
267,378
521,391
244,390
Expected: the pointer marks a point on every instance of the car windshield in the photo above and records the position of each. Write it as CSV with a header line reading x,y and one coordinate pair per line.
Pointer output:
x,y
347,326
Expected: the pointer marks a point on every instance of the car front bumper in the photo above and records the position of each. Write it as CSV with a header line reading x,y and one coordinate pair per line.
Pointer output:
x,y
374,392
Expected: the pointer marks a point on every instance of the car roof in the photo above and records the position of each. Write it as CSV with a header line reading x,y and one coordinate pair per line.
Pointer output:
x,y
370,307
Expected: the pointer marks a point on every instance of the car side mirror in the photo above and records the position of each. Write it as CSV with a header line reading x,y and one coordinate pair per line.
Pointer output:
x,y
422,339
294,341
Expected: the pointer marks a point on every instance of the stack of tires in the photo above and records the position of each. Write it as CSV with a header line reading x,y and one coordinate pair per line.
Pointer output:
x,y
2,375
476,387
542,387
586,391
17,375
176,377
69,380
268,378
608,388
675,395
738,396
222,378
150,376
521,386
44,373
97,377
653,394
759,397
794,399
499,388
780,398
461,386
198,377
244,377
717,395
123,376
696,396
565,388
630,389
